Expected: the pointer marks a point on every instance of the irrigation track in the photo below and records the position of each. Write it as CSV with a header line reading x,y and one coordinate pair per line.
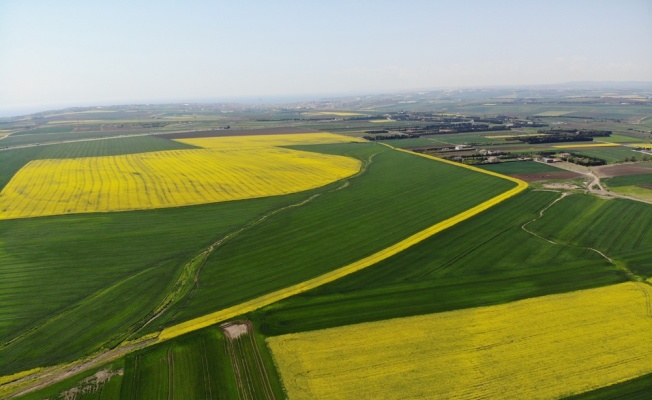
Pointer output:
x,y
640,282
564,194
198,262
238,341
46,377
264,300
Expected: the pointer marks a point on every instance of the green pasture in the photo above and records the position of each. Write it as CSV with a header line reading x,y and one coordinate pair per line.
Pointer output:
x,y
40,138
635,191
616,138
399,194
618,228
636,389
629,180
488,259
611,155
74,284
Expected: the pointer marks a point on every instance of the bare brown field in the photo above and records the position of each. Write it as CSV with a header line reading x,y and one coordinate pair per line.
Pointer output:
x,y
545,176
622,169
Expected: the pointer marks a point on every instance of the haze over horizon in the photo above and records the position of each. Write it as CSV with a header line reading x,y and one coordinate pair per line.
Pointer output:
x,y
65,53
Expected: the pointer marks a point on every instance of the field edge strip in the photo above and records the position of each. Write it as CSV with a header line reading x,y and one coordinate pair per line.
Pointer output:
x,y
265,300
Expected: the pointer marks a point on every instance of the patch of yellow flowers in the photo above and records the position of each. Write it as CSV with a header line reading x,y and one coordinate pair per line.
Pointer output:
x,y
228,168
541,348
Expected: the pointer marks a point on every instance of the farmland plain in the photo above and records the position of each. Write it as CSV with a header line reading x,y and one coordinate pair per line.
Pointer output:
x,y
82,246
112,277
537,348
230,171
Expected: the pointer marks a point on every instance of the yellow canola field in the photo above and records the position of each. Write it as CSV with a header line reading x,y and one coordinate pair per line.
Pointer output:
x,y
261,141
540,348
233,169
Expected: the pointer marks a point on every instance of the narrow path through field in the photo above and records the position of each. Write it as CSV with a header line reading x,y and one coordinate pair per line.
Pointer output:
x,y
639,280
254,304
251,375
184,286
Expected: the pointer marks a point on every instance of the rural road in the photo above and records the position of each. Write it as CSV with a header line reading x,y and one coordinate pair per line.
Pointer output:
x,y
594,186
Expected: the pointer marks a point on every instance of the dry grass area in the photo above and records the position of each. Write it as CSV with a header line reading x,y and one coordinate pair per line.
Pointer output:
x,y
228,168
540,348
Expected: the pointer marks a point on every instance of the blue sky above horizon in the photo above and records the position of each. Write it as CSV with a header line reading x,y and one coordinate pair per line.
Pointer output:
x,y
62,53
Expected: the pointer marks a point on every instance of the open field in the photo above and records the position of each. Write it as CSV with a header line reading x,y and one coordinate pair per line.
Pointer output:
x,y
630,180
618,228
471,264
539,348
643,192
229,170
74,284
281,252
85,247
405,236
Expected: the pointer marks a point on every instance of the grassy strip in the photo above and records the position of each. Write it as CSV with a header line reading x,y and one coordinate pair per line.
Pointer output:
x,y
72,284
629,180
618,228
636,389
365,262
398,195
94,391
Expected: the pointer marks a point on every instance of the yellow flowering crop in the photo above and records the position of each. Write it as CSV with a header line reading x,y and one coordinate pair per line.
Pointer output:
x,y
233,168
540,348
259,141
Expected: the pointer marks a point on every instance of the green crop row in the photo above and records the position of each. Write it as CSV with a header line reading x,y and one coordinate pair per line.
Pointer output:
x,y
398,195
486,260
628,180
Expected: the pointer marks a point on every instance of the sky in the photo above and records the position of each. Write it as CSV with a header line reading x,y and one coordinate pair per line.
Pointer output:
x,y
99,52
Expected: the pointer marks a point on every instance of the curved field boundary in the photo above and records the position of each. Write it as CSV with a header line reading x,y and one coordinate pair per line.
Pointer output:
x,y
262,301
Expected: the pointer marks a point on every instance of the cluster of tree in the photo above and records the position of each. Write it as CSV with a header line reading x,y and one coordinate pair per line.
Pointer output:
x,y
564,135
527,124
377,131
434,129
471,159
553,139
584,160
584,132
365,117
391,137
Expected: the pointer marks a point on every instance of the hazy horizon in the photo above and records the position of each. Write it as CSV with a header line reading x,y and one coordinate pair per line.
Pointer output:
x,y
68,53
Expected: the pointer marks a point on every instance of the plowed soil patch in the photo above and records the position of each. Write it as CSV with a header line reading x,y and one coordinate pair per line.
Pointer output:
x,y
545,176
620,170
